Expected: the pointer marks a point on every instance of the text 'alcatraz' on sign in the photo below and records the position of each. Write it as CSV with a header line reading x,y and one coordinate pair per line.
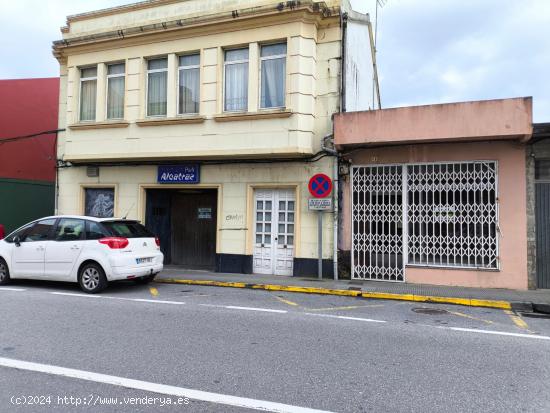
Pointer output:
x,y
178,174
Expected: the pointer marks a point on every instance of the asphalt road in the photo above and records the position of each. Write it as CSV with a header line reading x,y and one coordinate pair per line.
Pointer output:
x,y
133,348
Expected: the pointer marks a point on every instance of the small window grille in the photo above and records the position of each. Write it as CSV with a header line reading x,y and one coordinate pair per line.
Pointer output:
x,y
92,171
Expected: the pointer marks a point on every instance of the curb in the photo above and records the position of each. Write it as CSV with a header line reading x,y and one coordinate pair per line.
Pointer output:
x,y
541,308
470,302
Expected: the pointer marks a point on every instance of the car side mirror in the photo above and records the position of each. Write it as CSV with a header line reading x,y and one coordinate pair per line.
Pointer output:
x,y
17,241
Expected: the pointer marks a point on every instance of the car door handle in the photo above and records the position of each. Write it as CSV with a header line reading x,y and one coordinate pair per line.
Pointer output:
x,y
75,247
39,248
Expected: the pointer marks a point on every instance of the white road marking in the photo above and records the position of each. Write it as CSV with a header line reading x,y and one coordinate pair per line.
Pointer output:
x,y
500,333
78,295
234,307
267,310
209,397
343,317
144,300
140,300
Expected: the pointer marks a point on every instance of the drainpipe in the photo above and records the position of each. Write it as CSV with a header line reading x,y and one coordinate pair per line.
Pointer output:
x,y
344,27
335,197
56,189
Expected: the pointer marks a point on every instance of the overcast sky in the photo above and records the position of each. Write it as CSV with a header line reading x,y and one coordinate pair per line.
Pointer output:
x,y
429,51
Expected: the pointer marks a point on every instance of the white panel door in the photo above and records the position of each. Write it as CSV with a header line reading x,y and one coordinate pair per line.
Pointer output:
x,y
263,228
284,248
274,231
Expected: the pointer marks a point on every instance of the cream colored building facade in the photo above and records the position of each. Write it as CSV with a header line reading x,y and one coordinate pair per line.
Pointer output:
x,y
247,208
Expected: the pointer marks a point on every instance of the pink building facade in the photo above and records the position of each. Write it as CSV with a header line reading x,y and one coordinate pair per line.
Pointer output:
x,y
436,194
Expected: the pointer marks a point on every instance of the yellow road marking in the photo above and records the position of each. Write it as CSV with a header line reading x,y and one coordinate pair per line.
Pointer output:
x,y
443,300
154,292
282,300
518,321
349,307
470,317
504,305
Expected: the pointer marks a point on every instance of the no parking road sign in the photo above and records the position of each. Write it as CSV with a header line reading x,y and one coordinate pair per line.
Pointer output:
x,y
320,186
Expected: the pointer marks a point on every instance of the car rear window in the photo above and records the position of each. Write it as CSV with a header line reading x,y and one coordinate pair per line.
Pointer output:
x,y
128,229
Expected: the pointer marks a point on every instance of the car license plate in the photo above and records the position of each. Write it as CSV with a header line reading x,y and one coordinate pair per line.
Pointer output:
x,y
144,260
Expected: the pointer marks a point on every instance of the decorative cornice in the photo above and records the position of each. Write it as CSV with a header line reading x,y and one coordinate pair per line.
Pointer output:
x,y
120,9
306,9
99,125
171,121
264,114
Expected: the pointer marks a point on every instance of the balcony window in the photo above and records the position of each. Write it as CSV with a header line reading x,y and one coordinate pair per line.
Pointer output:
x,y
188,84
236,80
273,75
88,93
115,91
157,83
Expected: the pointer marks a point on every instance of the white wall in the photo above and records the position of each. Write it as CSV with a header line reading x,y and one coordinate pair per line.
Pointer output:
x,y
360,91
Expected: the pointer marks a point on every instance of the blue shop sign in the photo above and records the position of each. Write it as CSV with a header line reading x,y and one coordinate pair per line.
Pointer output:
x,y
179,174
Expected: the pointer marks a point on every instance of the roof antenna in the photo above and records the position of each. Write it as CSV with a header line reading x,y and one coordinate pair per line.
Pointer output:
x,y
127,212
379,4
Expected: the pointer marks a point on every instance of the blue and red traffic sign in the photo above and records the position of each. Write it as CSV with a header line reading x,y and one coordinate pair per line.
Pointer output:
x,y
320,186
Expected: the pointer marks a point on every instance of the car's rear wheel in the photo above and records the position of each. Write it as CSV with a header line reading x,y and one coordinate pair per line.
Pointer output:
x,y
4,272
146,280
91,278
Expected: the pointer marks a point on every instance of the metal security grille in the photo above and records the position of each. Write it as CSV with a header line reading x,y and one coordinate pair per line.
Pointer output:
x,y
542,206
377,217
452,214
448,218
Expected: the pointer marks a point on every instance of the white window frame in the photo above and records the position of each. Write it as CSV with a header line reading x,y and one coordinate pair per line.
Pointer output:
x,y
84,79
108,76
180,68
234,62
147,85
262,59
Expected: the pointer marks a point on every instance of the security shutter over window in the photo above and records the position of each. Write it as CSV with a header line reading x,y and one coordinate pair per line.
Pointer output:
x,y
436,214
452,214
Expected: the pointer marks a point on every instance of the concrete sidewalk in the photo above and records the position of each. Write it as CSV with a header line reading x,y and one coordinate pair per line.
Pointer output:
x,y
532,300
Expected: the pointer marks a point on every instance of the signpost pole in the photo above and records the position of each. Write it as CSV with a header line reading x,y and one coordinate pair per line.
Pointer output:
x,y
320,244
320,187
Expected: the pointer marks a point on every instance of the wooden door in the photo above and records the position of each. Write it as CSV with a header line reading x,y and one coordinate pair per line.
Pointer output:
x,y
194,229
158,219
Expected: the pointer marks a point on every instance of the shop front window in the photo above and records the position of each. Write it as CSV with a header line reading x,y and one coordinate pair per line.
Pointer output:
x,y
433,214
452,214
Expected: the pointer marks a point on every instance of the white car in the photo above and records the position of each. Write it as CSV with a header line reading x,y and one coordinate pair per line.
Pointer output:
x,y
90,251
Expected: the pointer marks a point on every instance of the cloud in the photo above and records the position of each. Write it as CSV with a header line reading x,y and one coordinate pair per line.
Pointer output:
x,y
430,51
28,28
440,51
